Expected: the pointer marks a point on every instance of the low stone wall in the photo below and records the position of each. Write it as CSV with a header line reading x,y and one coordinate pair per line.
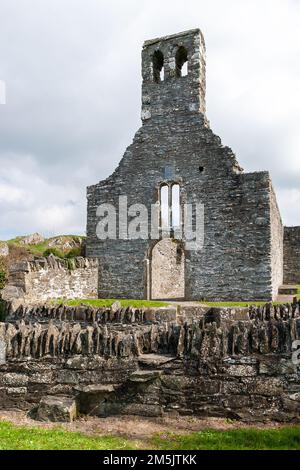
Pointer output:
x,y
103,315
50,278
34,341
291,256
235,363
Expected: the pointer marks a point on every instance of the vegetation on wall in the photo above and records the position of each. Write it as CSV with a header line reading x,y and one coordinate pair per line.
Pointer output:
x,y
3,271
63,246
54,252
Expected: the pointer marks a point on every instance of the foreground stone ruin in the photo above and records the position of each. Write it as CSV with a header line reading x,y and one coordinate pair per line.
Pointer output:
x,y
57,361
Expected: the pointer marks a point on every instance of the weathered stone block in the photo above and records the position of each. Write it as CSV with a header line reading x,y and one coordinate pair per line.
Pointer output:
x,y
266,386
65,376
16,391
14,379
276,366
85,363
237,401
138,409
233,387
56,409
145,376
41,378
241,371
172,382
291,405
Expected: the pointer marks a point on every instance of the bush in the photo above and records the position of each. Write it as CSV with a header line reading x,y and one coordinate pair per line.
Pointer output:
x,y
2,279
3,272
54,252
74,253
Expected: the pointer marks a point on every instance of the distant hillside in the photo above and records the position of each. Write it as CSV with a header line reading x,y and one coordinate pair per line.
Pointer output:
x,y
28,247
60,245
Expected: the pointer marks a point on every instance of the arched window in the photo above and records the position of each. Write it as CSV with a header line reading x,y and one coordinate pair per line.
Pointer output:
x,y
164,207
175,207
170,210
181,62
158,66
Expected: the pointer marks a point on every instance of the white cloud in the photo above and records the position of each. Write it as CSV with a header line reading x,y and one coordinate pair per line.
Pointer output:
x,y
72,73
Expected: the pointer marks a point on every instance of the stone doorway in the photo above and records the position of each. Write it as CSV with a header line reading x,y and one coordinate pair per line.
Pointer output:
x,y
167,270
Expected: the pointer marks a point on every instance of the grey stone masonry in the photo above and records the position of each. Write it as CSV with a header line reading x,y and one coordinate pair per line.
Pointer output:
x,y
292,255
242,254
236,363
51,278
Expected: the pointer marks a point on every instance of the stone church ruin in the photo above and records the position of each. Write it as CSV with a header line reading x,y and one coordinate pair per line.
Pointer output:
x,y
176,157
184,358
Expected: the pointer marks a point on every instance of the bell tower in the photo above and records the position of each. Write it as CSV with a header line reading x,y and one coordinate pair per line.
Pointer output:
x,y
173,70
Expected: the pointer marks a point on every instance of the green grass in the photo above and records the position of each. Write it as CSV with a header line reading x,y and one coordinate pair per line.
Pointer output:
x,y
236,304
25,438
238,439
34,249
243,304
108,302
154,303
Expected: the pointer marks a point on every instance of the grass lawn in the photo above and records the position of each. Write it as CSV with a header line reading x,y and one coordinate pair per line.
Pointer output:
x,y
236,304
109,302
153,303
237,439
24,438
243,304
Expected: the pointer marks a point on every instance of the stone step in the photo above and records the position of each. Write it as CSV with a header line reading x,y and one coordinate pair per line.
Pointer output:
x,y
288,290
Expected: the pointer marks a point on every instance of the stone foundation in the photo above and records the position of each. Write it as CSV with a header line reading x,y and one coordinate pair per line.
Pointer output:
x,y
211,362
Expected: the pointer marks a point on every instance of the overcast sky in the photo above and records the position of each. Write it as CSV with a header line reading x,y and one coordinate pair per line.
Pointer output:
x,y
72,73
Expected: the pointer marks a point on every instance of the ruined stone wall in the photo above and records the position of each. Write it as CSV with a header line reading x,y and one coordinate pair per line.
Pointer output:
x,y
52,278
233,362
176,145
235,261
292,255
276,244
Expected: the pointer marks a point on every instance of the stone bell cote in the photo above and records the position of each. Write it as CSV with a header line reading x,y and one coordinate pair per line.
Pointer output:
x,y
173,70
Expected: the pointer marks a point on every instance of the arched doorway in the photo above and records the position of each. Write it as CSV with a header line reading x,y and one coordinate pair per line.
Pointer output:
x,y
167,270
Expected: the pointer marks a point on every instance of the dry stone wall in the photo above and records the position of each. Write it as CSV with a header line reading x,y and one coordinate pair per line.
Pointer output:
x,y
52,278
211,362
